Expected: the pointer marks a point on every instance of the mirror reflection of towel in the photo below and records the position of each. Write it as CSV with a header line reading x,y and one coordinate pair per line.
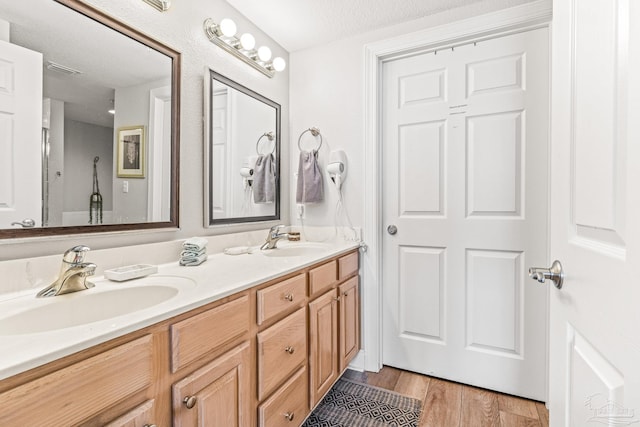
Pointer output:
x,y
310,184
264,179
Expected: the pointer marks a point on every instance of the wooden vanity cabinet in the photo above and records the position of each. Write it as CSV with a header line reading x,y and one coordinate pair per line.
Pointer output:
x,y
349,325
140,416
264,356
323,349
85,392
334,323
218,394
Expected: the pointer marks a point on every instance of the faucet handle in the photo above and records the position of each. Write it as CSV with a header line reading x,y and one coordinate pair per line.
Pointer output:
x,y
277,227
75,255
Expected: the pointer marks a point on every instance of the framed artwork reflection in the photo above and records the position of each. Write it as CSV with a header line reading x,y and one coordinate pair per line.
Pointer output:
x,y
131,151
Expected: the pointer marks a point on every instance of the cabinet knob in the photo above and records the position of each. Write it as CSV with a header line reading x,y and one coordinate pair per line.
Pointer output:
x,y
289,349
289,297
289,416
336,298
190,401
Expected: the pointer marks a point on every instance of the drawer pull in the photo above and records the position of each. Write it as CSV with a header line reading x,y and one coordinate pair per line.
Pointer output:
x,y
289,416
289,297
149,425
289,349
190,401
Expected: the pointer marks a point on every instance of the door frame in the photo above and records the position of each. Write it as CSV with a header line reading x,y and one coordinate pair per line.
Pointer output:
x,y
536,14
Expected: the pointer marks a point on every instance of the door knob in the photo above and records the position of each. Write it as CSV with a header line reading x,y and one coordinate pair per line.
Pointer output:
x,y
392,229
555,274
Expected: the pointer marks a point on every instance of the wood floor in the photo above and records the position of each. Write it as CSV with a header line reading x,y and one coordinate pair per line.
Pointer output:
x,y
449,404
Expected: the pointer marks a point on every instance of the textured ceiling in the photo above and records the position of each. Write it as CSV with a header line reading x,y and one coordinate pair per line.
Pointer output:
x,y
299,24
107,59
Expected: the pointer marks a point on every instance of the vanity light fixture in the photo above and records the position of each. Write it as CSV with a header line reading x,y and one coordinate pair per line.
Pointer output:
x,y
243,48
161,5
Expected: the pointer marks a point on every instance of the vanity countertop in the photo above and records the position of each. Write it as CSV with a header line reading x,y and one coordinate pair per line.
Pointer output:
x,y
220,276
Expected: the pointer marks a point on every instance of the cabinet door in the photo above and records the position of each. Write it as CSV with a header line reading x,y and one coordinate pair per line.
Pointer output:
x,y
323,336
217,394
349,321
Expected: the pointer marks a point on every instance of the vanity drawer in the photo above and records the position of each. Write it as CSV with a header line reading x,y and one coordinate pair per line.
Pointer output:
x,y
281,297
281,349
139,416
198,335
73,394
323,277
347,265
288,406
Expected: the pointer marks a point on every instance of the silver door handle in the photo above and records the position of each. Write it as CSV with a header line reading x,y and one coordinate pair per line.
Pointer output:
x,y
392,229
555,274
25,223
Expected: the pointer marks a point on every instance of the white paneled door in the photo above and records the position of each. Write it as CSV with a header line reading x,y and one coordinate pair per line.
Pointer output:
x,y
20,135
595,213
465,154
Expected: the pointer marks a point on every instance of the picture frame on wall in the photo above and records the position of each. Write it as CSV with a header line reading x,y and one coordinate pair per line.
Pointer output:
x,y
131,152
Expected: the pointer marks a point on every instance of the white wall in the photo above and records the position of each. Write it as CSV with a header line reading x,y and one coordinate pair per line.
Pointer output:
x,y
82,143
181,28
327,92
56,162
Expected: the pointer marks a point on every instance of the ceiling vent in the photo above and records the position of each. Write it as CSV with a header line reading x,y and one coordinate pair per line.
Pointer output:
x,y
62,69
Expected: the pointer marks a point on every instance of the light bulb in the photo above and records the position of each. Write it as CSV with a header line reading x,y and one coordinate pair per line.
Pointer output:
x,y
228,27
264,53
247,41
279,64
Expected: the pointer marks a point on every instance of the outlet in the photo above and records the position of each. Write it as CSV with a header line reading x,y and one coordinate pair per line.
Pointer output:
x,y
125,186
300,211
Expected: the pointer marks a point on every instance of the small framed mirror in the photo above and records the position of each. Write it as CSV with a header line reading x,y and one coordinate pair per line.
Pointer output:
x,y
242,154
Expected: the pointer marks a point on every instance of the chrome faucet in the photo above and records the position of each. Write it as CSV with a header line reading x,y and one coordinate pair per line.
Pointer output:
x,y
273,237
73,274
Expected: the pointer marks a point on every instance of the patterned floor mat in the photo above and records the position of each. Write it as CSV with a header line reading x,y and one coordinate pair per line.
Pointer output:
x,y
351,404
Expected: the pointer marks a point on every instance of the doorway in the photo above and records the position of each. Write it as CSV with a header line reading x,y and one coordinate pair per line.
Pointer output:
x,y
464,160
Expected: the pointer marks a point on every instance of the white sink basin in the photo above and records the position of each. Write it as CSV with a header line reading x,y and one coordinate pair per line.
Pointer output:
x,y
296,249
106,301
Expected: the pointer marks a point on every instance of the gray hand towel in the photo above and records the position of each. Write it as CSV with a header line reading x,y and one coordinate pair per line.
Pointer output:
x,y
310,184
264,179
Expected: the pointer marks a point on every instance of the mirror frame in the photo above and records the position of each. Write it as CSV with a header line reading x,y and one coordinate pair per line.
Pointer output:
x,y
209,221
175,56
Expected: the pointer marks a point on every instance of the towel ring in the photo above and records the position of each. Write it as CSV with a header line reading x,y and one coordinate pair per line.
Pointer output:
x,y
270,136
315,132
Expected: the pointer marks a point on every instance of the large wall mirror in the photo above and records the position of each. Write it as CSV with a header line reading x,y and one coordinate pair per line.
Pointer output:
x,y
242,152
89,122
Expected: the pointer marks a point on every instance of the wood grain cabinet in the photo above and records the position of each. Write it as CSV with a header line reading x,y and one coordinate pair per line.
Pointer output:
x,y
264,356
218,394
349,317
334,325
139,416
323,351
84,392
